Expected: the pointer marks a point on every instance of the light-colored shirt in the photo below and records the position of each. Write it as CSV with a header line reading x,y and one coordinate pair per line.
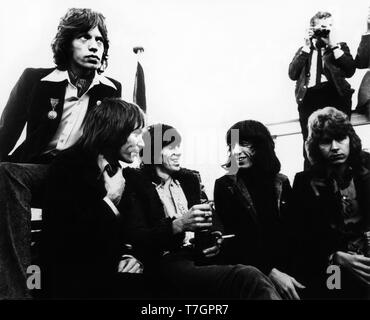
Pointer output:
x,y
338,52
174,202
74,110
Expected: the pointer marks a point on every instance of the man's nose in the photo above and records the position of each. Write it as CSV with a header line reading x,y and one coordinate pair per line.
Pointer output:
x,y
334,145
140,142
93,45
177,151
236,149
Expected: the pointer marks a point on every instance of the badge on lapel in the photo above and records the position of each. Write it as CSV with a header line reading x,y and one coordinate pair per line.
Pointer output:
x,y
52,114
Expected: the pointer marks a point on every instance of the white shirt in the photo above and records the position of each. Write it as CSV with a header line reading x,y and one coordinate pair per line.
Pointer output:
x,y
313,68
74,110
338,52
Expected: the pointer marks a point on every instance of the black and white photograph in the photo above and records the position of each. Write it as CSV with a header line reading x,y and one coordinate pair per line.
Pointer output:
x,y
199,153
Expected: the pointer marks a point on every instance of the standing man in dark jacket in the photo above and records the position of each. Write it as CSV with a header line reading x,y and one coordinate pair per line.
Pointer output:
x,y
319,68
362,62
53,103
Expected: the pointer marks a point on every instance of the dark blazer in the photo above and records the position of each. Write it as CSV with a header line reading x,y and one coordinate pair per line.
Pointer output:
x,y
256,243
81,239
315,209
148,228
29,102
363,61
335,70
363,53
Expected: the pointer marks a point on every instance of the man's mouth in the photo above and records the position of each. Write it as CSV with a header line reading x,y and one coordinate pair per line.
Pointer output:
x,y
92,57
242,158
337,157
175,161
135,152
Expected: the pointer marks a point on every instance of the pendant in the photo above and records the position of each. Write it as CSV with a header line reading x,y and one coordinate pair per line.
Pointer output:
x,y
52,114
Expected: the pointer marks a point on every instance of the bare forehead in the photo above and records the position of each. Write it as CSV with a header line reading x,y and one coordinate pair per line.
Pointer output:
x,y
324,21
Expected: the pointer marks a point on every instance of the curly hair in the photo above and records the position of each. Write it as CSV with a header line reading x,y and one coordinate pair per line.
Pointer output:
x,y
335,125
72,24
319,15
254,132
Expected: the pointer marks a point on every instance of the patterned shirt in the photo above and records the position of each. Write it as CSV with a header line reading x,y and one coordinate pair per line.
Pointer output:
x,y
174,202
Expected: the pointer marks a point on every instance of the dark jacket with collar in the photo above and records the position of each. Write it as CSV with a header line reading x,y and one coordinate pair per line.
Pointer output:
x,y
363,53
362,62
82,238
255,243
148,228
315,211
29,103
335,70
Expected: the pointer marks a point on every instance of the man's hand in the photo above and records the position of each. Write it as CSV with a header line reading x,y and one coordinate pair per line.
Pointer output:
x,y
114,185
356,264
214,250
332,39
285,284
130,264
198,217
308,37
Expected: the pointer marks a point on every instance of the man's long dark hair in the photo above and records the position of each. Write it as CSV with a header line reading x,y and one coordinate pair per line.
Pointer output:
x,y
265,161
334,124
108,125
74,23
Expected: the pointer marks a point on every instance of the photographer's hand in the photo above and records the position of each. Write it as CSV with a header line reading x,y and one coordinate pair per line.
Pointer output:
x,y
331,40
307,40
332,44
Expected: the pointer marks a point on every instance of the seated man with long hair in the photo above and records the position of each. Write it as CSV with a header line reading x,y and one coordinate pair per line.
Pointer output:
x,y
83,251
166,212
251,202
332,208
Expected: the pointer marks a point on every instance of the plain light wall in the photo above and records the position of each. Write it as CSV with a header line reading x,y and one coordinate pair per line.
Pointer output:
x,y
207,63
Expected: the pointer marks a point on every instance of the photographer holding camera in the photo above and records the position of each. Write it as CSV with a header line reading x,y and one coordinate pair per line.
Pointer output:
x,y
319,68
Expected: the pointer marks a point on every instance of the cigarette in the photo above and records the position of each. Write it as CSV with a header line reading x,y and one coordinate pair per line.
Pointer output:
x,y
227,236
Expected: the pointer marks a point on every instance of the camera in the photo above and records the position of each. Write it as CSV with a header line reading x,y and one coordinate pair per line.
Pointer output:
x,y
321,33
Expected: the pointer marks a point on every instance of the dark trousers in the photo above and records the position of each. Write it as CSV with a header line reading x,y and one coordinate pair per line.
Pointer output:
x,y
20,185
350,287
99,285
318,97
182,278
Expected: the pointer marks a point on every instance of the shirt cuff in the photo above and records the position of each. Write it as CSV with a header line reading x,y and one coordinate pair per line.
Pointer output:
x,y
338,52
111,205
